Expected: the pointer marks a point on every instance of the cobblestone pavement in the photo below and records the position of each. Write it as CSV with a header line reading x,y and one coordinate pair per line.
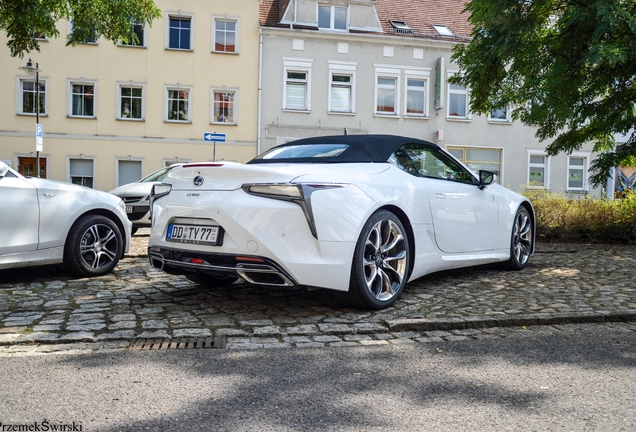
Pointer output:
x,y
47,309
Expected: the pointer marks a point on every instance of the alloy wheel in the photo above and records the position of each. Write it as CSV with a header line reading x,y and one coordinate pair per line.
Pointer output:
x,y
384,260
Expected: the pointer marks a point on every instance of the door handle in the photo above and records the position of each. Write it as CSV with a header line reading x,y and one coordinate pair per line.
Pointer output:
x,y
440,195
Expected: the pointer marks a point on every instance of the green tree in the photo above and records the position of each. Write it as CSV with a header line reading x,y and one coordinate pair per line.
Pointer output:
x,y
110,19
565,66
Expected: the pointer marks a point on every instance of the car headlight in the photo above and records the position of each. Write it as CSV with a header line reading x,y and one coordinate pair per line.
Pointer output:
x,y
298,193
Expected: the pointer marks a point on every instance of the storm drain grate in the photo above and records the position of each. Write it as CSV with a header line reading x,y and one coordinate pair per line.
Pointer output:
x,y
190,343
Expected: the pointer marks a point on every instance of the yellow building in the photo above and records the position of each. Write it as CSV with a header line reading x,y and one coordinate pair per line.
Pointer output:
x,y
112,114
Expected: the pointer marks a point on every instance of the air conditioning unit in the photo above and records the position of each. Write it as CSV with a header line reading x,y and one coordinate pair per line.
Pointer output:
x,y
439,135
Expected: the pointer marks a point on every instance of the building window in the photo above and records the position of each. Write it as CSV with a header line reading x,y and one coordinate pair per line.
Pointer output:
x,y
180,32
128,171
138,31
500,115
27,99
340,95
223,106
296,90
178,104
476,159
577,172
332,17
457,102
131,102
297,84
416,97
81,172
225,35
442,30
82,99
400,27
90,37
538,170
386,95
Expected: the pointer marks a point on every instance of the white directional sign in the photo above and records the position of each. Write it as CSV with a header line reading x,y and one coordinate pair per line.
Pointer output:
x,y
39,133
214,137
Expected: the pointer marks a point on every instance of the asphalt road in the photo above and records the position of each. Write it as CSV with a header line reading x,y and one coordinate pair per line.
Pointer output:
x,y
571,377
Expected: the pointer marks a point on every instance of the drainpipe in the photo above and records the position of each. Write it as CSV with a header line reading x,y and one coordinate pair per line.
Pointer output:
x,y
260,90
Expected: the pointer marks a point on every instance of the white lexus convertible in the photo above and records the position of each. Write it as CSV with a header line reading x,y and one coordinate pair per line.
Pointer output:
x,y
48,222
360,214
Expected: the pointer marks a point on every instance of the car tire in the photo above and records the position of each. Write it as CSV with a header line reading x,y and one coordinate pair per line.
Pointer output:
x,y
210,281
381,263
521,240
94,246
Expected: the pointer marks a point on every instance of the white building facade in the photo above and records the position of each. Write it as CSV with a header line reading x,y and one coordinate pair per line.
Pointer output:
x,y
365,66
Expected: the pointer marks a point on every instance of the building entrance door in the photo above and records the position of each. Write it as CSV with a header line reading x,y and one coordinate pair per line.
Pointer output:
x,y
26,166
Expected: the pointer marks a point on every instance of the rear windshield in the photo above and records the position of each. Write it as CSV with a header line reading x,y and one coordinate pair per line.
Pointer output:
x,y
308,151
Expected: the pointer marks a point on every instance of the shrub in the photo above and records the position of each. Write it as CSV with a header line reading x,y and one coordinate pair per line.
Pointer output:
x,y
585,220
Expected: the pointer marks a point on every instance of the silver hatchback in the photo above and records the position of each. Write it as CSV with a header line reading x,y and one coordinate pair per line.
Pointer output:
x,y
136,195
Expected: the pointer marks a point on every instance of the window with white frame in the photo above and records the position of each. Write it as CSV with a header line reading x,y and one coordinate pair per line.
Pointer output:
x,y
457,101
342,86
225,35
91,39
297,84
340,92
223,106
577,172
332,17
386,94
131,104
296,90
27,97
416,99
82,99
129,171
500,115
475,158
538,170
81,171
178,104
137,37
180,32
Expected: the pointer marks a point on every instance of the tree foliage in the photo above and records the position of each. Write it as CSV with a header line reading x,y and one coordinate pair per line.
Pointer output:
x,y
565,66
110,19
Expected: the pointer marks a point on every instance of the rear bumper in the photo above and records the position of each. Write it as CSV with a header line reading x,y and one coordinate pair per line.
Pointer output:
x,y
253,269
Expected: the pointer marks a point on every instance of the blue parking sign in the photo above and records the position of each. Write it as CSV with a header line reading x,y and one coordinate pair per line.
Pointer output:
x,y
39,133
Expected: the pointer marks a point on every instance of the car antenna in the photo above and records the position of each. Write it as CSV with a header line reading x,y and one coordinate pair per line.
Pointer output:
x,y
345,131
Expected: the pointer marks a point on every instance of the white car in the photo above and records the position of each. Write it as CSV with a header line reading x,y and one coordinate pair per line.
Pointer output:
x,y
360,214
136,196
48,222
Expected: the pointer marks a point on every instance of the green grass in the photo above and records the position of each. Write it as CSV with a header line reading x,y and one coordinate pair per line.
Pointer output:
x,y
584,220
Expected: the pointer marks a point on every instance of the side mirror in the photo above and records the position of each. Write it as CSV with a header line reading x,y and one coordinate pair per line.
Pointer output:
x,y
3,169
486,178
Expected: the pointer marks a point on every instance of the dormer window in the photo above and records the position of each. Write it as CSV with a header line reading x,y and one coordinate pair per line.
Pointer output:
x,y
400,27
332,17
442,30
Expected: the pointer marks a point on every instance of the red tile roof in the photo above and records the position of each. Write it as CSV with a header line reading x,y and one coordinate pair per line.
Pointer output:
x,y
420,15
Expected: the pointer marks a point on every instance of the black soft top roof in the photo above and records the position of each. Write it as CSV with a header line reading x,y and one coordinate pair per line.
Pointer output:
x,y
361,148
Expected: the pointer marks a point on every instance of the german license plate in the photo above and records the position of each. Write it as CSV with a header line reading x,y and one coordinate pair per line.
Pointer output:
x,y
129,209
196,234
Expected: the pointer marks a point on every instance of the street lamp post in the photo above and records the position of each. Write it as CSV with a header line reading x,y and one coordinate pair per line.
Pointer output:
x,y
34,71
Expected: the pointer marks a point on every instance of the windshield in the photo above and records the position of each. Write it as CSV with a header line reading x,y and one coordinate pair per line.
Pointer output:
x,y
156,176
309,151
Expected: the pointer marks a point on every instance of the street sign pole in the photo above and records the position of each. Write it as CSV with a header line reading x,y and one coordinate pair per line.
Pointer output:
x,y
214,138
